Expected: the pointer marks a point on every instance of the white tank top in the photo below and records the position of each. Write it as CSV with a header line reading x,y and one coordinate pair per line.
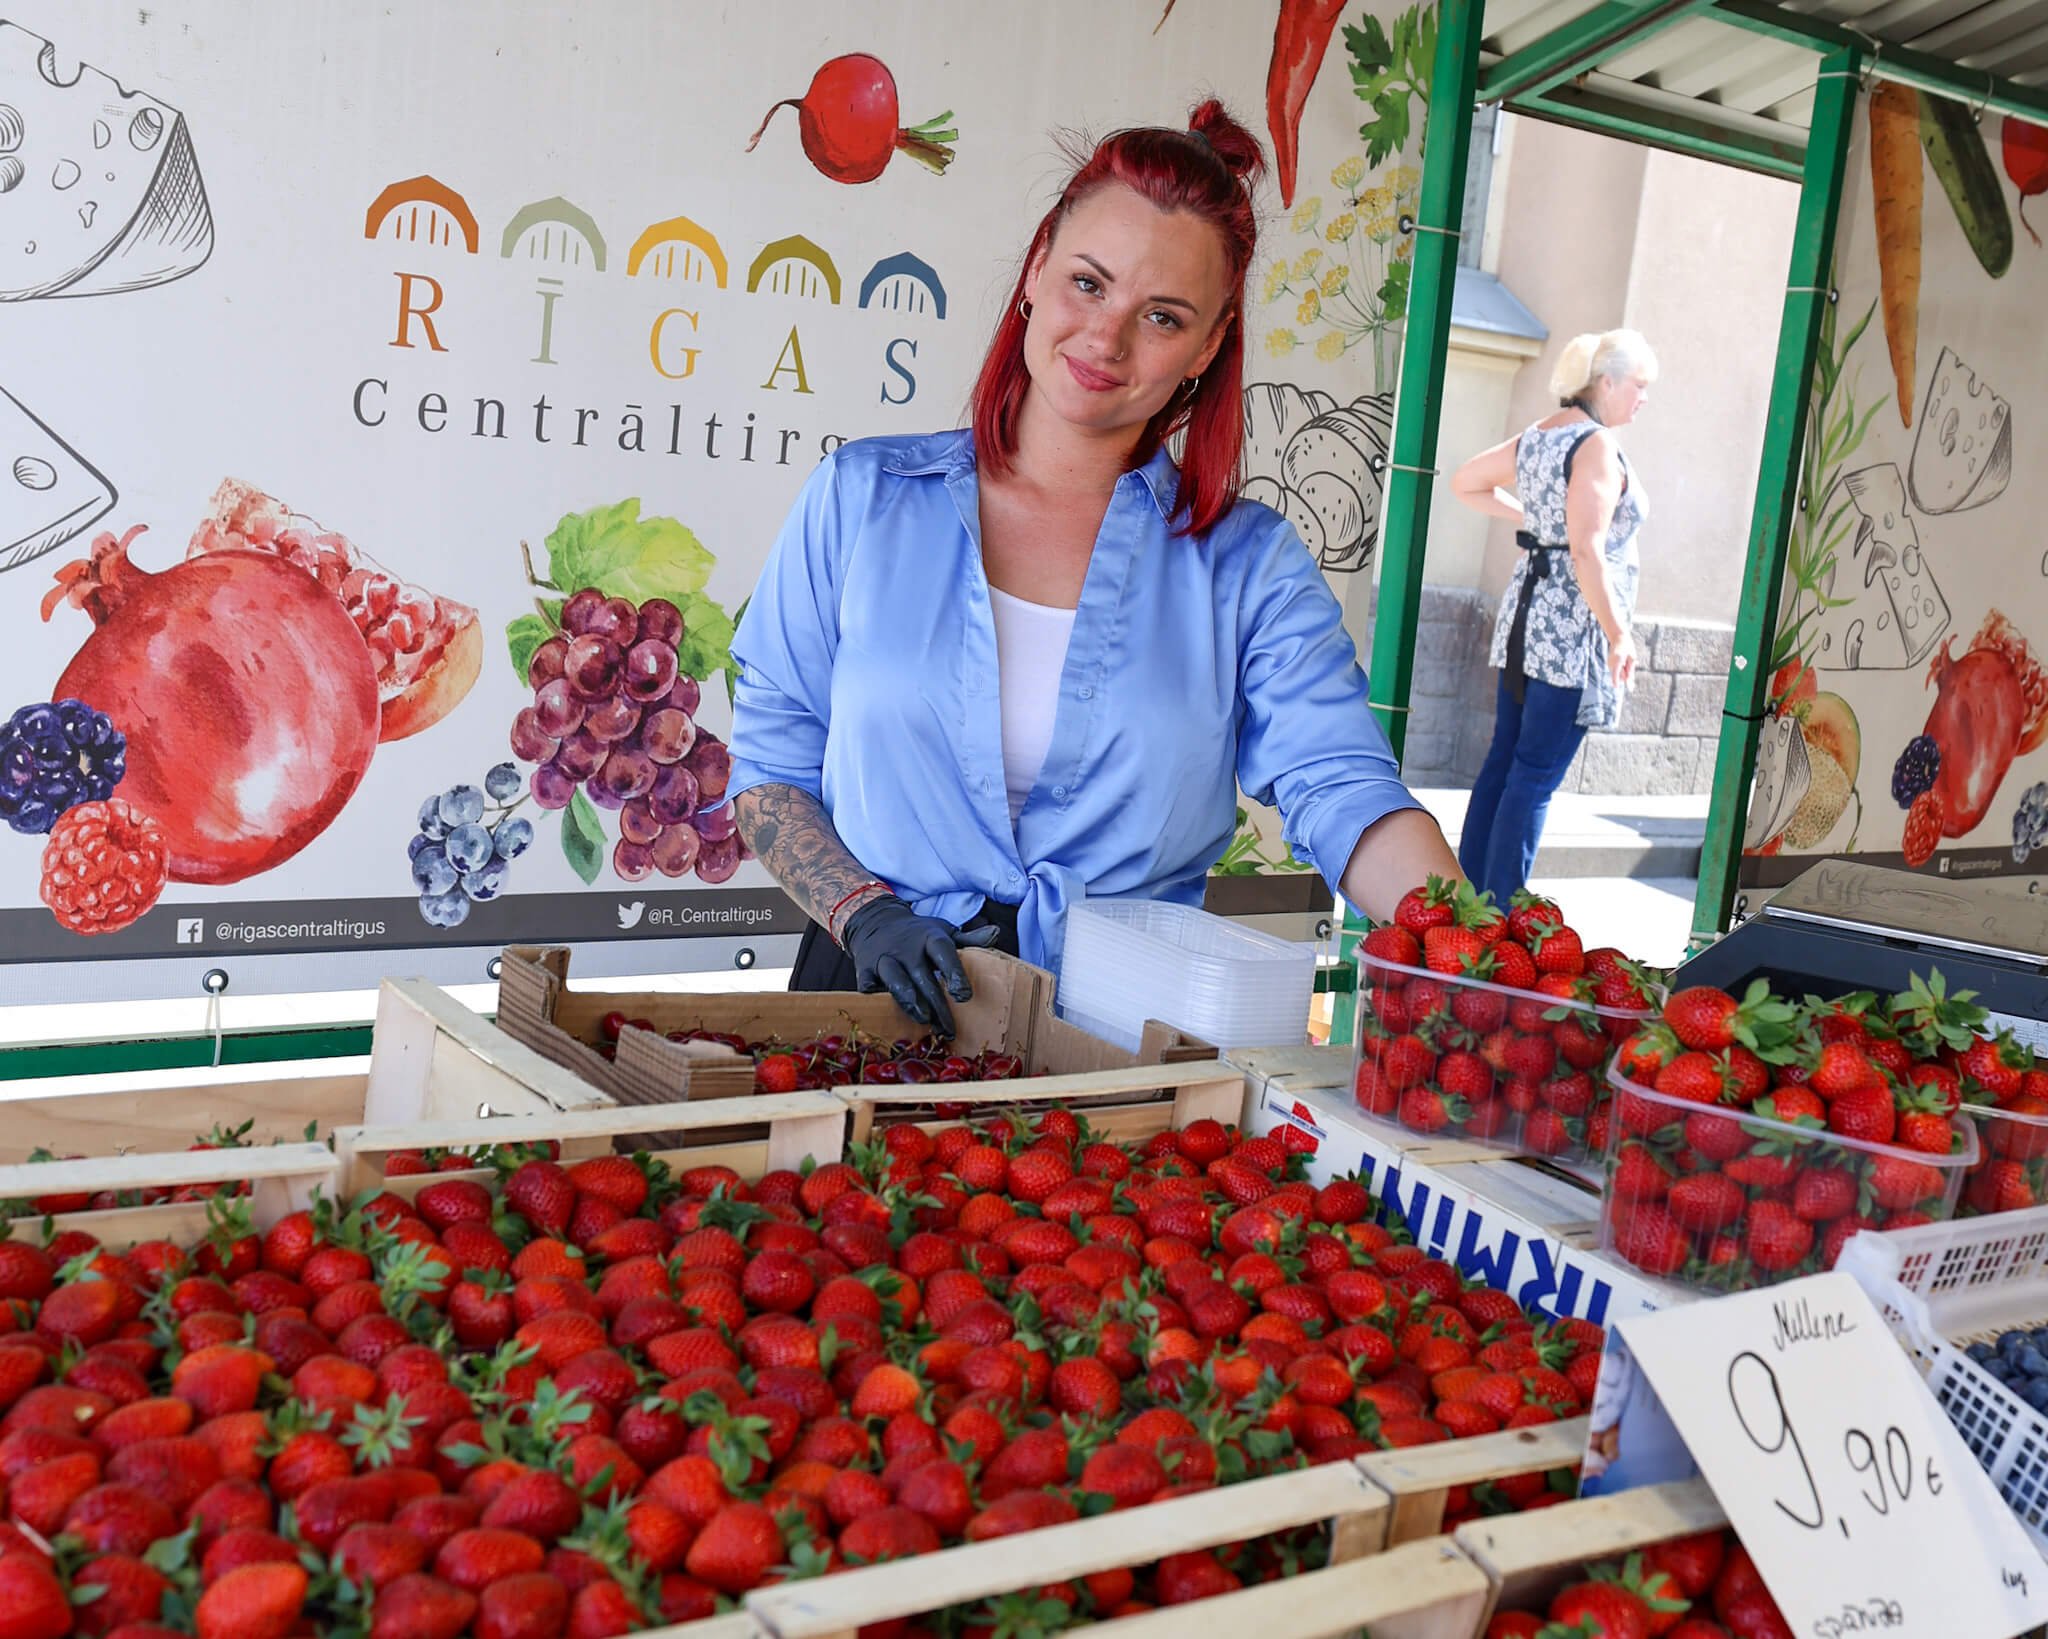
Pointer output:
x,y
1031,652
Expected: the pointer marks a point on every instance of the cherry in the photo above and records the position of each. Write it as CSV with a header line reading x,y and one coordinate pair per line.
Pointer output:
x,y
612,1023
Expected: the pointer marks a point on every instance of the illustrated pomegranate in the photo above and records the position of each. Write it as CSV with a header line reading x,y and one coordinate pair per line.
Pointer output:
x,y
1977,721
248,697
427,649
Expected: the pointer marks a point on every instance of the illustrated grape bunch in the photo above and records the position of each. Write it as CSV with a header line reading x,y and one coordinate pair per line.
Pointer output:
x,y
614,717
467,839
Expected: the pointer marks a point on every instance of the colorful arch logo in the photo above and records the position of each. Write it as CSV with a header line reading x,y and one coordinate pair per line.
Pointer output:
x,y
677,249
904,284
794,267
421,210
553,230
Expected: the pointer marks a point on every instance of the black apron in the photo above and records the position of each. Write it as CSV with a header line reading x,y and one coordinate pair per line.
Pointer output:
x,y
822,965
1540,556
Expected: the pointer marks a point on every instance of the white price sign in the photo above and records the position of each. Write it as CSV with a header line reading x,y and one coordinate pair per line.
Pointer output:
x,y
1862,1508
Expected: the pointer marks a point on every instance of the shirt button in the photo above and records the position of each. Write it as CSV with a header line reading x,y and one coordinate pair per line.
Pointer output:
x,y
1087,693
1059,791
1014,877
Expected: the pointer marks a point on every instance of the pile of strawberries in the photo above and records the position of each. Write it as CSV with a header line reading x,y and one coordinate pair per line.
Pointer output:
x,y
588,1398
1779,1130
1492,1025
1698,1587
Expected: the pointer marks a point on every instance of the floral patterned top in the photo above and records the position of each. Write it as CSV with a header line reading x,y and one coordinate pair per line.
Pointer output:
x,y
1564,645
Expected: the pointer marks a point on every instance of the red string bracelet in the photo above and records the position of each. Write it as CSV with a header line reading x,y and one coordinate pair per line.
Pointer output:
x,y
832,916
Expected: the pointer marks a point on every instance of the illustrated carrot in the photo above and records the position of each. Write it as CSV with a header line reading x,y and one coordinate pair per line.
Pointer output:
x,y
1300,37
1896,184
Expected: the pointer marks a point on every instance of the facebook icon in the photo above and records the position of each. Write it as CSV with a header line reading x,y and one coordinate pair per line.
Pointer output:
x,y
191,930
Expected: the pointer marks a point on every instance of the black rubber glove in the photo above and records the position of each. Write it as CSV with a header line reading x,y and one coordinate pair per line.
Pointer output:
x,y
912,957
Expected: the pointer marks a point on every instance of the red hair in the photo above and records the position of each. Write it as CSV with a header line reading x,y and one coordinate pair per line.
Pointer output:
x,y
1209,171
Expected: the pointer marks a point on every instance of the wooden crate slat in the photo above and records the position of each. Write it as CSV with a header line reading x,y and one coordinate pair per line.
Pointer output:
x,y
164,1169
1527,1556
168,1110
735,1625
1417,1479
1421,1590
831,1606
432,1058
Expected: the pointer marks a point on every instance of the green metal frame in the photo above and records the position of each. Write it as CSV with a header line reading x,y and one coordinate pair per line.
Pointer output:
x,y
1699,139
91,1058
1404,529
1777,491
1584,42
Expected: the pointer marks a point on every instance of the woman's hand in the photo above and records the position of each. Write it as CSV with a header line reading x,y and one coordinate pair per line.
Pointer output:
x,y
1621,659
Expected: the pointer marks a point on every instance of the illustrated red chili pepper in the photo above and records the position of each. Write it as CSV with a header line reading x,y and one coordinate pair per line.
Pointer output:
x,y
1300,37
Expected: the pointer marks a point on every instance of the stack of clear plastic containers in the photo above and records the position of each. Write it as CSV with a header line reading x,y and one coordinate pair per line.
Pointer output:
x,y
1129,960
2011,1173
1721,1198
1466,1058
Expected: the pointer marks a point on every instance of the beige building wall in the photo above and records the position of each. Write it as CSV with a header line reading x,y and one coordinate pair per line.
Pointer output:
x,y
1594,233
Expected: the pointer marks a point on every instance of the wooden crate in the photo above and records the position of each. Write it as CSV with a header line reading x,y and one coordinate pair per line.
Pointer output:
x,y
431,1060
1011,1012
1528,1557
1386,1504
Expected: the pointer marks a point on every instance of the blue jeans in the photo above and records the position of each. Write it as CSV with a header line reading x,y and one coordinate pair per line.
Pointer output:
x,y
1533,743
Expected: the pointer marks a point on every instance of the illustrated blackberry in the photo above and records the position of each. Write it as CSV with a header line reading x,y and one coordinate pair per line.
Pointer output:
x,y
2030,822
1915,770
54,756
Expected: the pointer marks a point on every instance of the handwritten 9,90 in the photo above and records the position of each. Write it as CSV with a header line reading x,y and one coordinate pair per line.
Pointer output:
x,y
1884,1470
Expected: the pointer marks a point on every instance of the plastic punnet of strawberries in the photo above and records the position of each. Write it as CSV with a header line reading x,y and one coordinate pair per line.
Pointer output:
x,y
1753,1138
1698,1587
1492,1026
585,1399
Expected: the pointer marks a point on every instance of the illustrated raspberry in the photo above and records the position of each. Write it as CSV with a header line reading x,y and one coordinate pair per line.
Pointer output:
x,y
1915,770
1923,828
104,866
54,756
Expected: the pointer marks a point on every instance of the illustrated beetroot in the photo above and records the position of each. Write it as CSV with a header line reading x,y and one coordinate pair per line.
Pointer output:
x,y
847,122
427,649
248,697
1977,721
2026,162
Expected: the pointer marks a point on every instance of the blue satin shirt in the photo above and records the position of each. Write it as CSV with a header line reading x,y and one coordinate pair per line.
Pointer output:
x,y
1197,664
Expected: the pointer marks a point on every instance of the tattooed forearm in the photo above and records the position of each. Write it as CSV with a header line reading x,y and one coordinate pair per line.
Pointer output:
x,y
792,834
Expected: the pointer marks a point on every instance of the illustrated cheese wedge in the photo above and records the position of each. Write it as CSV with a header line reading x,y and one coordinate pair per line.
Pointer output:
x,y
48,493
1892,613
1962,455
99,188
1784,774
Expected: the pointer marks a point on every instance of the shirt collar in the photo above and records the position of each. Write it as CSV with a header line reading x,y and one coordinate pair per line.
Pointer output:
x,y
952,453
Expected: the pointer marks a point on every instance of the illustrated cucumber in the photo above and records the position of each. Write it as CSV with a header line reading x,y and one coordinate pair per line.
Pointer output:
x,y
1955,148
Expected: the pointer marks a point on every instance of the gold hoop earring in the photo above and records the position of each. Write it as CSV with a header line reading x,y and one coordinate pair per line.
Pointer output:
x,y
1024,309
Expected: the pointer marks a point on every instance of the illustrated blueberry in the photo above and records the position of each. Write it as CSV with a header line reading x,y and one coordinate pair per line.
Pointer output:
x,y
503,782
431,871
430,820
469,845
461,805
488,880
445,910
512,837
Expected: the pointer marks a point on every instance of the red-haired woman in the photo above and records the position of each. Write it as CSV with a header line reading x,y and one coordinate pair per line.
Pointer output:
x,y
990,672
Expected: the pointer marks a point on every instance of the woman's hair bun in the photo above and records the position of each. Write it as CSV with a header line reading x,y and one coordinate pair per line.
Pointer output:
x,y
1611,353
1231,142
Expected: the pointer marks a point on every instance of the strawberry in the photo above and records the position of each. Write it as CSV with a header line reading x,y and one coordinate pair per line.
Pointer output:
x,y
1776,1238
1823,1194
1404,1061
1927,1131
1392,943
1603,1609
1647,1236
1638,1175
1844,1068
1426,907
1556,948
1454,950
1705,1202
253,1602
1867,1114
611,1178
32,1601
453,1201
1997,1064
737,1548
542,1194
1427,1111
525,1605
1691,1562
26,1272
1695,1076
1709,1019
1548,1131
421,1607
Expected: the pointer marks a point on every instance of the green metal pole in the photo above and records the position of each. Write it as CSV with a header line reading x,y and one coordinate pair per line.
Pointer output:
x,y
1808,287
1581,44
1700,139
1447,140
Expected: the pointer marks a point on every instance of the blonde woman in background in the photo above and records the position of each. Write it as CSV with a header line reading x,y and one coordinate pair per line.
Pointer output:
x,y
1562,639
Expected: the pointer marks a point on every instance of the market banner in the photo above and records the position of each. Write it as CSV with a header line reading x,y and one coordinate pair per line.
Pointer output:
x,y
397,404
1908,706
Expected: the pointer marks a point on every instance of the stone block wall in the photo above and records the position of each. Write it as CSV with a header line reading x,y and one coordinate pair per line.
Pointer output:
x,y
1670,724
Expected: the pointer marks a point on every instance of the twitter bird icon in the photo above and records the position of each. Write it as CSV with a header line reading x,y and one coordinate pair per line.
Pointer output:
x,y
629,915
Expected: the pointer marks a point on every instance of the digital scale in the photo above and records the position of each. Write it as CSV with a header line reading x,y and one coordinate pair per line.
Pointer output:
x,y
1843,927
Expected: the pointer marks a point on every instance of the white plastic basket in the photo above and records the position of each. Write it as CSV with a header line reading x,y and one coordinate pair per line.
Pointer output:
x,y
1129,960
1944,1286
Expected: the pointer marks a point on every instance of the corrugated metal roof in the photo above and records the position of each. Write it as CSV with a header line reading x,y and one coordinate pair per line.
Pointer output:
x,y
1738,75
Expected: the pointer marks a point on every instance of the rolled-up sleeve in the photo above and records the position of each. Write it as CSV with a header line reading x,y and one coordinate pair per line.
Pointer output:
x,y
1308,743
782,704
